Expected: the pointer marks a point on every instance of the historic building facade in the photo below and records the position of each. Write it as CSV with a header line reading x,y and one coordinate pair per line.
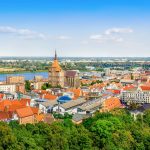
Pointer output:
x,y
56,74
59,77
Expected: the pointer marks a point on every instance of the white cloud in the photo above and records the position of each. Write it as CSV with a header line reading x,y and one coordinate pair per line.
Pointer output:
x,y
96,37
109,35
104,38
7,29
24,33
118,30
63,37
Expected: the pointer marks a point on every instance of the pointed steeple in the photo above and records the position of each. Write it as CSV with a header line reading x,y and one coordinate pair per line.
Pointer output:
x,y
55,55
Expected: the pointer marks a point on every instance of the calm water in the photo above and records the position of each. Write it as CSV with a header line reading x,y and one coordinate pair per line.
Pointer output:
x,y
27,75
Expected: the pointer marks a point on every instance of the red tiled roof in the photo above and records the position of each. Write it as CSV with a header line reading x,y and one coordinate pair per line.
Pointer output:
x,y
77,92
12,105
112,103
128,87
145,88
50,97
39,117
24,112
35,110
1,95
4,115
24,101
114,91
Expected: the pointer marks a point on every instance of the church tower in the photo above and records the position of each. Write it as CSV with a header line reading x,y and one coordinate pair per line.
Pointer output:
x,y
56,74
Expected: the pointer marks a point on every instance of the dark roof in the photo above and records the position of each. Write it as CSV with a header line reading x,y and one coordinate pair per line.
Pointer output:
x,y
71,73
146,106
143,108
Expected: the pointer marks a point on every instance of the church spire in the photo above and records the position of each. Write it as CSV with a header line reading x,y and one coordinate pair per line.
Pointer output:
x,y
55,55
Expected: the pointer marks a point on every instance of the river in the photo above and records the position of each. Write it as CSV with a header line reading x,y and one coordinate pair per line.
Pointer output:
x,y
27,75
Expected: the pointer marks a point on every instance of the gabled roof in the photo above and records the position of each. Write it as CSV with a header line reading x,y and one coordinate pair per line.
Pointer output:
x,y
12,105
24,112
50,97
34,110
129,88
4,116
25,101
145,88
112,100
70,73
77,92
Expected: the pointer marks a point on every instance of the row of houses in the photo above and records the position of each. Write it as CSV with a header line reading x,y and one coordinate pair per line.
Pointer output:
x,y
22,111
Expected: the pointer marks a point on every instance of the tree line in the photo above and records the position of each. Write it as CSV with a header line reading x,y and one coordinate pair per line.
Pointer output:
x,y
105,131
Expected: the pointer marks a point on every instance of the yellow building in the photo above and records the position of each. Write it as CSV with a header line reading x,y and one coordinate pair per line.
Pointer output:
x,y
56,74
15,79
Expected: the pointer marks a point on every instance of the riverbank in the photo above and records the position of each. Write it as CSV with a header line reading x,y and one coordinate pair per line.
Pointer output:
x,y
27,75
15,72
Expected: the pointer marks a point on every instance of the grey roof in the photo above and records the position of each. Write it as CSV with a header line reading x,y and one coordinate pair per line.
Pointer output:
x,y
49,103
91,105
73,103
78,117
127,81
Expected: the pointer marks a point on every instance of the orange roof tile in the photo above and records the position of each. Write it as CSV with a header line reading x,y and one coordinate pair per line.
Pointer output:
x,y
1,95
50,97
112,103
145,88
128,87
4,115
56,65
39,117
24,112
12,105
25,101
35,110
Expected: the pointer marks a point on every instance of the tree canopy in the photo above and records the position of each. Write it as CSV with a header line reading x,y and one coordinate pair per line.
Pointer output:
x,y
105,131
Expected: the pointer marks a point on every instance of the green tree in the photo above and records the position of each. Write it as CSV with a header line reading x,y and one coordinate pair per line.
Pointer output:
x,y
27,85
8,140
46,86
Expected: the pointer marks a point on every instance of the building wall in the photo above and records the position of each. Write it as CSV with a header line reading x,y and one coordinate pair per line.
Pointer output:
x,y
38,85
8,87
15,79
20,88
61,110
42,108
56,78
135,96
72,81
25,120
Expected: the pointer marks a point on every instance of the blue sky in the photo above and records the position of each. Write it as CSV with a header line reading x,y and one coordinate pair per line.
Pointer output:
x,y
75,27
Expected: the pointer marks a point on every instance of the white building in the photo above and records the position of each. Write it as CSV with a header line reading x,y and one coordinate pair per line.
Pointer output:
x,y
136,95
70,107
8,88
107,71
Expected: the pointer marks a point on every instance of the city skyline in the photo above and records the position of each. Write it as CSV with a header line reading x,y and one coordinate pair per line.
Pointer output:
x,y
75,28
